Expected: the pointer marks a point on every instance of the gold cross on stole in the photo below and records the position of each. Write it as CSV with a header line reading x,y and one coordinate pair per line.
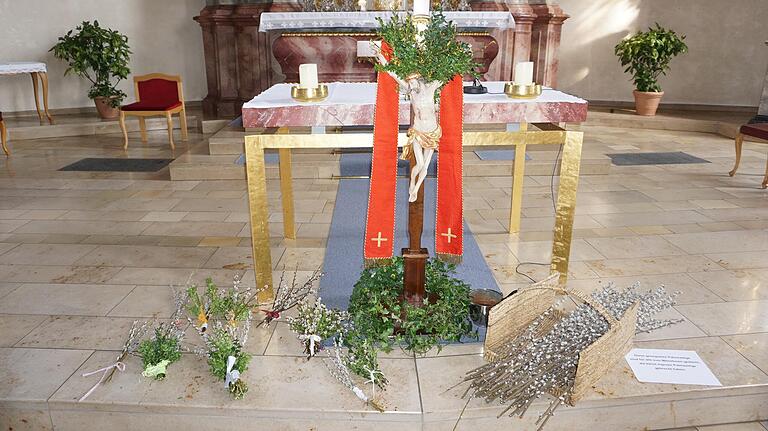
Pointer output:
x,y
449,235
379,239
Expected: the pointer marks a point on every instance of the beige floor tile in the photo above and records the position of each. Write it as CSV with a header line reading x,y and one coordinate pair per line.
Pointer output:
x,y
650,218
56,274
744,426
306,259
46,254
728,318
51,368
42,214
64,299
741,285
752,346
742,260
79,332
219,241
193,228
164,216
652,265
13,327
91,227
630,247
144,256
717,242
173,276
6,288
146,301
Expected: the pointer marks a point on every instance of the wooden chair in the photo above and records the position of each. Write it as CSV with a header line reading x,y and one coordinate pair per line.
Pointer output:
x,y
3,135
759,131
156,94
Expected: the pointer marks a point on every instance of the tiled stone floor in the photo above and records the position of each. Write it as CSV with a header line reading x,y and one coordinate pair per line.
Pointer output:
x,y
84,254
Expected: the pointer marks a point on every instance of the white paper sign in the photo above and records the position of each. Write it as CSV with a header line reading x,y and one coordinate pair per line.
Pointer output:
x,y
683,367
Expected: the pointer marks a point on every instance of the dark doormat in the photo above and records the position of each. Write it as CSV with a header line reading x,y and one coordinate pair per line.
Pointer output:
x,y
117,165
636,159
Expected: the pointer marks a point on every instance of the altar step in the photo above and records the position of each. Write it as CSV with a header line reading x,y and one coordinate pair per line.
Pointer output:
x,y
82,125
289,393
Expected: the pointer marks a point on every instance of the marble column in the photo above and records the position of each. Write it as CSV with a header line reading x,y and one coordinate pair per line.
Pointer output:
x,y
545,40
762,111
237,56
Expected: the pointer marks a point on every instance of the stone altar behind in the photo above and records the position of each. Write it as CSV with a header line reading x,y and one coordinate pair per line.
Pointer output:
x,y
239,60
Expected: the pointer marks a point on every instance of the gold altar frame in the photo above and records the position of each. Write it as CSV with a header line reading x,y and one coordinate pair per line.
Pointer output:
x,y
548,134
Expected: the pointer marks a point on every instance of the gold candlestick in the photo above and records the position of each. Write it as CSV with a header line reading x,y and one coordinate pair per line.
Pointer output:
x,y
316,94
522,91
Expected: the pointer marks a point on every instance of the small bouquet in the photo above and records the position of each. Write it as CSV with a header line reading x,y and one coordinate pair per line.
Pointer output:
x,y
315,323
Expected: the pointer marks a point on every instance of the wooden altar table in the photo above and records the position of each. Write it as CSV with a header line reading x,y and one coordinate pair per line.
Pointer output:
x,y
39,72
352,104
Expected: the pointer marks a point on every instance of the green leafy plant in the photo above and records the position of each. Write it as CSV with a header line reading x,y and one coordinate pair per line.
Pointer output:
x,y
163,346
232,304
647,55
439,57
98,54
221,345
379,315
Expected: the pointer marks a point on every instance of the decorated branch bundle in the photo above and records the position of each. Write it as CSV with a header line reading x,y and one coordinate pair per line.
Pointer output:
x,y
550,350
223,318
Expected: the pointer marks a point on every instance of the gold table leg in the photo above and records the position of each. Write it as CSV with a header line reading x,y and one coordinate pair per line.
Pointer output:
x,y
35,79
257,204
516,206
286,191
566,203
44,80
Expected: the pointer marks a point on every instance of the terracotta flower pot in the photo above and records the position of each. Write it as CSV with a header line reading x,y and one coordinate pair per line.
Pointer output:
x,y
647,102
106,111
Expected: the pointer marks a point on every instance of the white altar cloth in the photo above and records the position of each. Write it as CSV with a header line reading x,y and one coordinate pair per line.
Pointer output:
x,y
361,93
367,20
15,68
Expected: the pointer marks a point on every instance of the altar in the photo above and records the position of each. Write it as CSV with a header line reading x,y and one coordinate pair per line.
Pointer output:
x,y
352,104
330,39
243,56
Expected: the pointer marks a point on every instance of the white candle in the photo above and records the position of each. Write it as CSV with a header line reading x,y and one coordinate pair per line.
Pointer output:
x,y
524,73
365,48
421,7
361,4
308,75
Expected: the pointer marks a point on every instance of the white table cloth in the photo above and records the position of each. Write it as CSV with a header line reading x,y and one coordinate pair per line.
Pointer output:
x,y
359,93
18,67
367,20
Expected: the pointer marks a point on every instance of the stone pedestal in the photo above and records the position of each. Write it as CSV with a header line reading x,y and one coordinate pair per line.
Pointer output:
x,y
762,111
241,62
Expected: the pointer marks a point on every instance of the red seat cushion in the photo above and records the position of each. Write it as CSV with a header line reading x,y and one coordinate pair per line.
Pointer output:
x,y
155,95
150,106
759,130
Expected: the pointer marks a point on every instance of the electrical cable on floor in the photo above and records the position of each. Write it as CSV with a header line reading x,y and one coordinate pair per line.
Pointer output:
x,y
554,209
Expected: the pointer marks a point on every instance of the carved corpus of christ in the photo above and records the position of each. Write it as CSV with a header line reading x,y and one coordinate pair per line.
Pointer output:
x,y
424,134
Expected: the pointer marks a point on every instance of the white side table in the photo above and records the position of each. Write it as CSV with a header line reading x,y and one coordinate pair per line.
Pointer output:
x,y
39,72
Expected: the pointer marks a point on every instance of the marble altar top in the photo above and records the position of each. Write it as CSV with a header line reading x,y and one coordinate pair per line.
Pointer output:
x,y
352,104
319,20
14,68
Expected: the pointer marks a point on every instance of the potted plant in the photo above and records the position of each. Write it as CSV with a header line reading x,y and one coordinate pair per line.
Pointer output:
x,y
646,56
100,55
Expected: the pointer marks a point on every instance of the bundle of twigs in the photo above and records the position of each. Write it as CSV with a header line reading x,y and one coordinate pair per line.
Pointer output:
x,y
545,357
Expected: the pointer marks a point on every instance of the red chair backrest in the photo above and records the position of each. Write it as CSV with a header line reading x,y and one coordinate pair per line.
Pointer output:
x,y
157,90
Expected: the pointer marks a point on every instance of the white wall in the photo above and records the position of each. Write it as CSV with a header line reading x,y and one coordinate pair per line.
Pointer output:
x,y
161,34
725,65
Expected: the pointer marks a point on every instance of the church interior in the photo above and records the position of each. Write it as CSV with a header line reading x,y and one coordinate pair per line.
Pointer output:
x,y
384,214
